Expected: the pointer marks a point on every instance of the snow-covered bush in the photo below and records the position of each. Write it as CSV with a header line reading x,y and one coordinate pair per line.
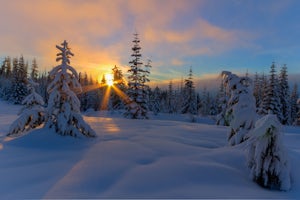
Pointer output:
x,y
31,115
267,159
241,110
63,105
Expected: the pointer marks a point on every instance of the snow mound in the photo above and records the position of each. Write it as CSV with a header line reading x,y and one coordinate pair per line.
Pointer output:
x,y
133,159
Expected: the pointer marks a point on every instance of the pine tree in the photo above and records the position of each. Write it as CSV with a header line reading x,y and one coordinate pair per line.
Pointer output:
x,y
170,98
155,101
83,80
43,82
205,103
6,79
63,106
2,69
94,96
34,70
135,92
190,102
297,121
257,91
241,111
267,159
8,70
271,99
263,106
285,96
18,88
294,107
32,114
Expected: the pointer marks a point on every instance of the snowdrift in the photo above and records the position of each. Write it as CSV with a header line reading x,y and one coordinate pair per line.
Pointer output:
x,y
132,159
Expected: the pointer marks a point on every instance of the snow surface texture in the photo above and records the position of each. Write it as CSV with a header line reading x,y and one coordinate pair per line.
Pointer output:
x,y
162,158
267,159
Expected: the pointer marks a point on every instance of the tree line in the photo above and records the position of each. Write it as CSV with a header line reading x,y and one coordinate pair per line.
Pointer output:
x,y
272,92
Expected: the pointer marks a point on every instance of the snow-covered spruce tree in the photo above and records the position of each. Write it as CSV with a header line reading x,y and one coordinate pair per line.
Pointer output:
x,y
63,111
257,91
271,100
6,79
135,92
294,106
241,111
32,114
284,94
267,158
170,98
190,102
34,70
297,121
18,89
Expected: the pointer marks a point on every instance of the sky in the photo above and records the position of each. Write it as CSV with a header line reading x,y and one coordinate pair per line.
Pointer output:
x,y
207,35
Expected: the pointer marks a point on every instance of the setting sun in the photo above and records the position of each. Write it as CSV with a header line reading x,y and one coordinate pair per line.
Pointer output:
x,y
109,79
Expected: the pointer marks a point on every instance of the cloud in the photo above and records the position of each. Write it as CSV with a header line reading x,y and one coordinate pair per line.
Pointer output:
x,y
100,32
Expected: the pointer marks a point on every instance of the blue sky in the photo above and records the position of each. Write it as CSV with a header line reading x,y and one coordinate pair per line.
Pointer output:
x,y
209,35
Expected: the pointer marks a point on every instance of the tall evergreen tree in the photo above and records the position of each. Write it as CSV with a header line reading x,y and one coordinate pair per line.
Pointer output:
x,y
43,82
8,68
297,121
135,92
63,106
18,88
6,79
284,96
205,102
264,84
271,101
294,107
170,98
83,80
257,91
190,103
155,101
34,70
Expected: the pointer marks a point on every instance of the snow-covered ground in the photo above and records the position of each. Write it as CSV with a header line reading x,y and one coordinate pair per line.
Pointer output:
x,y
165,157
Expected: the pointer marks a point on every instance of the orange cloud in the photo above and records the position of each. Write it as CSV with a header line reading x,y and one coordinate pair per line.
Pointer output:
x,y
100,32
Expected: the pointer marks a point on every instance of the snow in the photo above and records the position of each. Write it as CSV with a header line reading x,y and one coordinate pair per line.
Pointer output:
x,y
155,158
267,158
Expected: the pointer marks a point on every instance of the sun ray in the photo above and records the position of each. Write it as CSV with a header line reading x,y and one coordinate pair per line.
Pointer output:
x,y
121,94
105,99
